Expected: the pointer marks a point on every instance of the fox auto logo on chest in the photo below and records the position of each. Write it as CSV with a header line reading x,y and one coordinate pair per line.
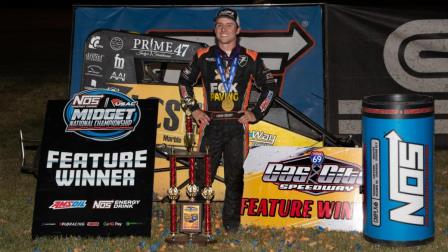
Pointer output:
x,y
314,173
101,115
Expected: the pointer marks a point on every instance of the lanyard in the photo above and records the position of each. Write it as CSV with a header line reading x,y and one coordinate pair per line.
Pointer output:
x,y
227,82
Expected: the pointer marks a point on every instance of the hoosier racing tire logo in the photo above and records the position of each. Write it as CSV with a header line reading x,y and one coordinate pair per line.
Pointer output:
x,y
101,115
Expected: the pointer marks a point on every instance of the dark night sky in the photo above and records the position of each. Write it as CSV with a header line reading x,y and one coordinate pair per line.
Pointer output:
x,y
36,40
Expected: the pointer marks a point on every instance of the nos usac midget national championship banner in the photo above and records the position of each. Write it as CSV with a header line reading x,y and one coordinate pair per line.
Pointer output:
x,y
303,187
96,166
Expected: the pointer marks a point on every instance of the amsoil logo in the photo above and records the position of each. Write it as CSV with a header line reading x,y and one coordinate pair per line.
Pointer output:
x,y
314,173
68,204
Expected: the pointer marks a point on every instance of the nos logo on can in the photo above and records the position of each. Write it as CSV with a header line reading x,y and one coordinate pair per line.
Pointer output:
x,y
101,115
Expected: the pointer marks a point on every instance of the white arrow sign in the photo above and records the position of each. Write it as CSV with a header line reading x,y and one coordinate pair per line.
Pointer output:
x,y
394,139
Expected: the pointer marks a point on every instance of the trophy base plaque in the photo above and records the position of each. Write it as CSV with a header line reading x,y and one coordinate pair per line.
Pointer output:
x,y
190,218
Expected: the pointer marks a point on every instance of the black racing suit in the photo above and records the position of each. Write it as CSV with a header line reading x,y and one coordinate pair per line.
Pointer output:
x,y
227,136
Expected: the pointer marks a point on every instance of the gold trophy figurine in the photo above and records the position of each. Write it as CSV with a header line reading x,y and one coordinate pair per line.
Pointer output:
x,y
186,103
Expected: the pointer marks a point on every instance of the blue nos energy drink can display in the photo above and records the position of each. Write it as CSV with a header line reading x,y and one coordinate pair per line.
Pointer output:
x,y
398,138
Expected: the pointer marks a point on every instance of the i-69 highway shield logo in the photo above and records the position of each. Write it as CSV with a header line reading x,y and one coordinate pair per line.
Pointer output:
x,y
101,115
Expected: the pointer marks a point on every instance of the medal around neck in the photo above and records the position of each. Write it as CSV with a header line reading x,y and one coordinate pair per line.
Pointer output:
x,y
227,104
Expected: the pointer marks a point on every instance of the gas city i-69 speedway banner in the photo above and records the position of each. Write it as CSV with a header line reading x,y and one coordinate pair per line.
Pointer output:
x,y
141,51
303,186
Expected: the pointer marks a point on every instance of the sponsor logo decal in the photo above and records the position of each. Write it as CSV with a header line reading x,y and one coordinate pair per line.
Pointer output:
x,y
310,174
93,223
415,55
117,204
95,43
102,204
94,70
133,223
95,57
92,114
217,91
48,224
72,224
160,48
261,138
68,204
116,43
118,76
242,60
264,105
172,139
112,224
118,61
406,180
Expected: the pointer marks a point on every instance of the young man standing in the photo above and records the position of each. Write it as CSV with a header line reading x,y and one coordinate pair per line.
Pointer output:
x,y
227,72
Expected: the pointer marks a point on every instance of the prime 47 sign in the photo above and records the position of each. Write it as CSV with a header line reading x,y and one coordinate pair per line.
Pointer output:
x,y
160,48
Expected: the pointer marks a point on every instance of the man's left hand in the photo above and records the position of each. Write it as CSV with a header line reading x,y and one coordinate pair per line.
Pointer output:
x,y
248,117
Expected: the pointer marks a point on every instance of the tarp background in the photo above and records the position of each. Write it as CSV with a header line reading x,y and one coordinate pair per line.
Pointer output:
x,y
355,61
301,71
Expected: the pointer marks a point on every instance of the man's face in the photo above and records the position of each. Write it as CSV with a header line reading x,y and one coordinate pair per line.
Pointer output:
x,y
226,30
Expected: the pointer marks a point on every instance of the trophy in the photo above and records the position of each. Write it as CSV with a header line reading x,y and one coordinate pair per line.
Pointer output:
x,y
186,103
190,212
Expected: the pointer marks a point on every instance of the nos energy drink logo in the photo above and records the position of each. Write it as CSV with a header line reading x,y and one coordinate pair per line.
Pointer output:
x,y
101,115
406,177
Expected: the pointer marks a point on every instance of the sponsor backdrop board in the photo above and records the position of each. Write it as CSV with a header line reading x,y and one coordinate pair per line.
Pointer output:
x,y
129,62
114,57
96,166
383,51
289,39
303,187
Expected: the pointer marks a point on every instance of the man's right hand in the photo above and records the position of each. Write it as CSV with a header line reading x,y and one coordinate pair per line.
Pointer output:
x,y
201,118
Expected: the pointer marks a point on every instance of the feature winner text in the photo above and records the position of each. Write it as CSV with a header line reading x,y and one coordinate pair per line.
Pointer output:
x,y
96,169
287,208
